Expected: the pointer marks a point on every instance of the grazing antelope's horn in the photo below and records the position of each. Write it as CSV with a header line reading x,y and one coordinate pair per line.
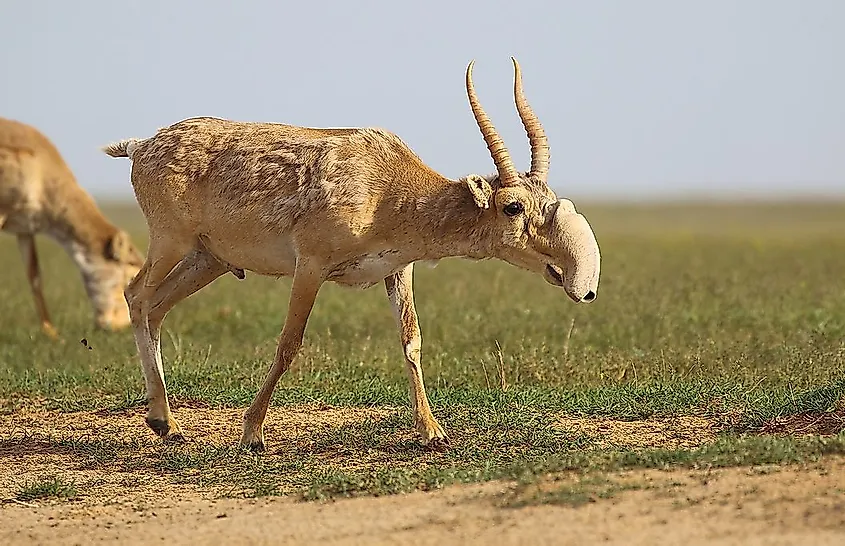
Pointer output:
x,y
536,134
504,165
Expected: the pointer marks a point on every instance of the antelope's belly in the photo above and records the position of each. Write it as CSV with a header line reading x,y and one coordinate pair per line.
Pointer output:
x,y
256,251
368,269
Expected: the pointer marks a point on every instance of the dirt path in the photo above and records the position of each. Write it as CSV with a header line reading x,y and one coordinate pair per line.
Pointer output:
x,y
112,457
792,505
126,497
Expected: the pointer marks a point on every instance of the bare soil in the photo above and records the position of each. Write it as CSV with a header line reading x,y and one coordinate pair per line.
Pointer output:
x,y
760,505
685,431
40,442
794,505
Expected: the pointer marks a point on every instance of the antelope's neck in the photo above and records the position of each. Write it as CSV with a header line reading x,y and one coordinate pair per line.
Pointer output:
x,y
76,223
442,220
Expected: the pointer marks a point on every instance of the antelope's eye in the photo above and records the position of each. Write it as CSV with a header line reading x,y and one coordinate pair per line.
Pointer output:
x,y
512,209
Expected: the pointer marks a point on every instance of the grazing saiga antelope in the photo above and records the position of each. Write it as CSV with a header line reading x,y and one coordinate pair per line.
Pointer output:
x,y
353,206
39,194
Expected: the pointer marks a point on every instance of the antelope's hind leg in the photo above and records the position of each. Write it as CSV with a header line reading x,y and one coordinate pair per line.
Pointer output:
x,y
150,295
400,291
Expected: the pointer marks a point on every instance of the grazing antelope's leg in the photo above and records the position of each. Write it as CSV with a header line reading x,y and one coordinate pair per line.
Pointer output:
x,y
400,290
26,243
306,283
161,258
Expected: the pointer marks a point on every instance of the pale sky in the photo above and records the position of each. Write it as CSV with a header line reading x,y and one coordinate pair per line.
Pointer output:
x,y
640,99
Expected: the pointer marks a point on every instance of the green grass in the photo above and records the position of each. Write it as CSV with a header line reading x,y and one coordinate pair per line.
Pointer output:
x,y
588,488
381,458
726,452
47,487
717,310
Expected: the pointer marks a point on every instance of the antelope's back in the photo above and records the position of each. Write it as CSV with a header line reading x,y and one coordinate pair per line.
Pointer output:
x,y
30,168
267,173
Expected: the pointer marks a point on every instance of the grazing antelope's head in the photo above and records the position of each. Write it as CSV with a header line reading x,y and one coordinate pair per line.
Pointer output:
x,y
533,229
106,272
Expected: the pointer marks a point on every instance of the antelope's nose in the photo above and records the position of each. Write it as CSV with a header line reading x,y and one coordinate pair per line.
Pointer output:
x,y
589,296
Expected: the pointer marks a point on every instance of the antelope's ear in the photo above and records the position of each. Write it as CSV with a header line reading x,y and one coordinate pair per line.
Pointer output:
x,y
120,249
480,189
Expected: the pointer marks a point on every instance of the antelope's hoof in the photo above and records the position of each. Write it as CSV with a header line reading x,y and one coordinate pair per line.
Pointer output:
x,y
439,444
253,439
256,446
432,435
174,438
168,431
50,331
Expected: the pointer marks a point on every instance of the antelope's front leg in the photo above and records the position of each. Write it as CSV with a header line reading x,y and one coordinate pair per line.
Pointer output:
x,y
400,290
306,283
26,243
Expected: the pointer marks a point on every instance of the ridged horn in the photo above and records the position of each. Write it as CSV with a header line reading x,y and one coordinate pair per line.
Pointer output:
x,y
502,159
533,127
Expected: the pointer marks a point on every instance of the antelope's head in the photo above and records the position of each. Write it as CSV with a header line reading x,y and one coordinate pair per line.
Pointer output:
x,y
531,227
106,272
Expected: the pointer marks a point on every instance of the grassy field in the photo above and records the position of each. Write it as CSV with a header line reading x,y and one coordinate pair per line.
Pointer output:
x,y
734,314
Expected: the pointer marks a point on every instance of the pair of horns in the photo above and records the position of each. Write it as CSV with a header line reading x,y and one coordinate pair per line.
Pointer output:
x,y
508,175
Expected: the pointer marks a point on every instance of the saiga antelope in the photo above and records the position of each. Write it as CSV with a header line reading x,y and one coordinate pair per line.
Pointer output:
x,y
353,206
39,194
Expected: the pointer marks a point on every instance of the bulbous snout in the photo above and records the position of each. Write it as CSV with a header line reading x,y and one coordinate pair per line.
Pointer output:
x,y
105,287
574,241
113,319
580,297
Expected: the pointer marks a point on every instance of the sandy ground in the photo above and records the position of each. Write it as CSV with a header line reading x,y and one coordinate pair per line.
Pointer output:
x,y
114,457
768,506
761,505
